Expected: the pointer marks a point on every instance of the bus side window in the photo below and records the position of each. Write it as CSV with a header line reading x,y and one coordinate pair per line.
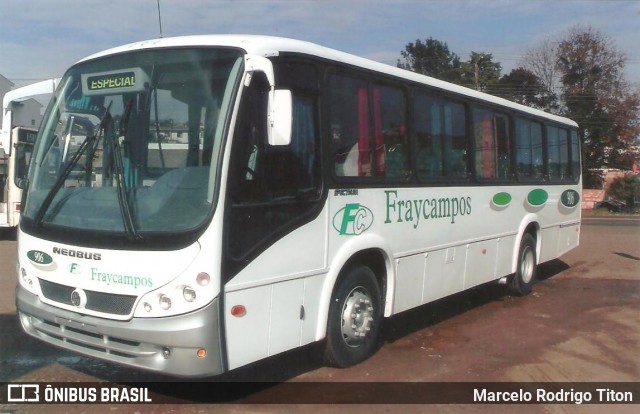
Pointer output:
x,y
575,155
492,143
391,146
529,153
441,138
558,149
350,127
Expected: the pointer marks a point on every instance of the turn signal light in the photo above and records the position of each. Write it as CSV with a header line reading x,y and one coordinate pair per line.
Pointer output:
x,y
203,279
238,311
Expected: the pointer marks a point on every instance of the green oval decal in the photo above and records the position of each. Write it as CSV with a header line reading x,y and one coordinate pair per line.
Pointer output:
x,y
537,197
38,257
570,198
502,199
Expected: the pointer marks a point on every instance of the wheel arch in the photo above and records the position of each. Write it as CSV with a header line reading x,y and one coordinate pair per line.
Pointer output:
x,y
529,225
369,251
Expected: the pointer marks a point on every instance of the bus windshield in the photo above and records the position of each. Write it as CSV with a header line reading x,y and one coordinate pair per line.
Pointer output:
x,y
130,143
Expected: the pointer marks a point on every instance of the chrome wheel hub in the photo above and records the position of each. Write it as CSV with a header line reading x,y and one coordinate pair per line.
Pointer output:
x,y
357,317
527,265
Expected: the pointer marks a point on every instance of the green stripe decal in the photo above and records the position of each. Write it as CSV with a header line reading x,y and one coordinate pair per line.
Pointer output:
x,y
537,197
502,199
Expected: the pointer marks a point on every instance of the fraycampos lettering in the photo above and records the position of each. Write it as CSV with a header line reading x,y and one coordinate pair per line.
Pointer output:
x,y
118,279
415,211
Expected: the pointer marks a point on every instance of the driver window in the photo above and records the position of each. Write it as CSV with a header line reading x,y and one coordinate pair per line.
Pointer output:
x,y
270,187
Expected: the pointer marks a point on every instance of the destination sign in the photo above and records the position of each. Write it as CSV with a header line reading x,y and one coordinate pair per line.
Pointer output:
x,y
111,81
114,82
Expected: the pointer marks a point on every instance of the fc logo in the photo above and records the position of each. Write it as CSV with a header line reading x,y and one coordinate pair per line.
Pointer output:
x,y
352,219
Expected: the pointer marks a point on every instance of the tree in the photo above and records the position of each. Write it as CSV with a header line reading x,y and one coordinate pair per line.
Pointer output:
x,y
597,96
432,58
625,188
522,86
541,61
480,72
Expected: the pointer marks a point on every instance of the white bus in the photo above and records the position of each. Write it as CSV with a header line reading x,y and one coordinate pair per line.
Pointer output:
x,y
196,204
16,144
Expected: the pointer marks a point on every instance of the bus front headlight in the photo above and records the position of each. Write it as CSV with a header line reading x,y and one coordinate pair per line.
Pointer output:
x,y
188,294
165,302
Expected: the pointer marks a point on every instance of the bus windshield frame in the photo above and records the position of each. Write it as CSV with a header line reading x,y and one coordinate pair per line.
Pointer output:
x,y
130,148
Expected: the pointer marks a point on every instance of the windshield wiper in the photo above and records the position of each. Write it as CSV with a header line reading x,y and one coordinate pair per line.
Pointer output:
x,y
123,195
46,203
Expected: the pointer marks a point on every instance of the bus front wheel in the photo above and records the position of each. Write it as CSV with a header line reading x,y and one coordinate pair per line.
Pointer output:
x,y
354,320
522,281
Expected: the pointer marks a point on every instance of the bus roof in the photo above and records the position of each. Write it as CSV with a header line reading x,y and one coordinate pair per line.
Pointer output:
x,y
272,46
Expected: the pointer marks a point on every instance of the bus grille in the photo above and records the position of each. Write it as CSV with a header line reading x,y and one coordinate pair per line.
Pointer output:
x,y
85,341
96,301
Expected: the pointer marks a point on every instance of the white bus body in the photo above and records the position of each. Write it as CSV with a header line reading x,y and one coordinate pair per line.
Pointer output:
x,y
15,150
239,196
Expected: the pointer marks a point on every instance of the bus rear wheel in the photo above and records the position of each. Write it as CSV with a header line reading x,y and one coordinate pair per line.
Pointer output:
x,y
354,320
522,281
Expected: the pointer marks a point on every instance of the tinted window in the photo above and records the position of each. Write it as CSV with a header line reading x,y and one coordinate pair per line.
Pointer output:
x,y
558,150
350,127
440,137
491,134
530,161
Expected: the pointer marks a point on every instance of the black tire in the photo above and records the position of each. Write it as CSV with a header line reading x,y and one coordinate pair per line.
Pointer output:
x,y
522,281
355,316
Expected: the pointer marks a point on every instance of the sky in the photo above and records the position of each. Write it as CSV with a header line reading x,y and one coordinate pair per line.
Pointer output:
x,y
40,39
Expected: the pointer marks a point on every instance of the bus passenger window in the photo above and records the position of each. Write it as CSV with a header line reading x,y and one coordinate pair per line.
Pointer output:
x,y
575,155
558,148
455,140
427,126
441,138
391,147
350,129
493,156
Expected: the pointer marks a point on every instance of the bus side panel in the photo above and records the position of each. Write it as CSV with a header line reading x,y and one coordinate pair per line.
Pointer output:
x,y
312,299
410,275
248,335
279,290
549,243
278,317
505,255
481,263
444,273
286,316
568,238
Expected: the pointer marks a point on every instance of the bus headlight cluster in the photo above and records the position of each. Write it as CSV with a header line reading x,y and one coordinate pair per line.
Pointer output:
x,y
25,280
175,298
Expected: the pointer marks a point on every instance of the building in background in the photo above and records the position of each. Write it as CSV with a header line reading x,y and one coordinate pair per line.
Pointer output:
x,y
30,113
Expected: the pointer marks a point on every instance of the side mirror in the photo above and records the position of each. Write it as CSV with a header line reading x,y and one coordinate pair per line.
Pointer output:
x,y
280,117
21,183
5,132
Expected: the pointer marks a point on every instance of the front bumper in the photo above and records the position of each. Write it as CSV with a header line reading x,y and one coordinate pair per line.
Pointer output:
x,y
168,345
